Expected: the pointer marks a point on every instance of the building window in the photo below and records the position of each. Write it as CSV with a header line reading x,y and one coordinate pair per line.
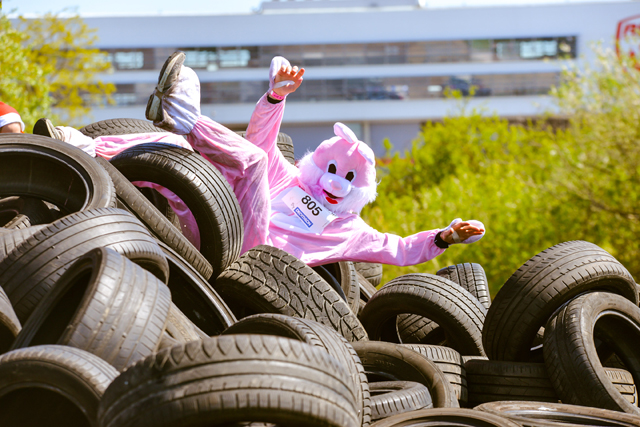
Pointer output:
x,y
201,59
128,60
350,54
552,48
537,49
234,58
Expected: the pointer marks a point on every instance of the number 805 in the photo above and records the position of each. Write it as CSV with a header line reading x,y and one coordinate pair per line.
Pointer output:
x,y
311,205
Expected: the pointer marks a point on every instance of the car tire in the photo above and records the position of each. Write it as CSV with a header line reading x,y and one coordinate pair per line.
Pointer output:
x,y
52,385
391,362
103,304
29,271
230,379
541,286
269,280
457,312
570,352
202,188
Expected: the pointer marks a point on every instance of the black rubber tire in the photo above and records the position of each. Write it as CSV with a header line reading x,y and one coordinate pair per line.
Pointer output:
x,y
366,288
119,127
361,305
414,329
540,287
450,363
154,220
269,280
457,312
162,205
180,328
53,171
392,362
539,414
420,330
230,379
9,323
470,276
570,351
366,292
195,297
345,274
20,212
389,398
127,127
30,270
317,335
490,381
285,145
202,188
10,239
623,381
454,417
52,385
372,271
331,280
104,304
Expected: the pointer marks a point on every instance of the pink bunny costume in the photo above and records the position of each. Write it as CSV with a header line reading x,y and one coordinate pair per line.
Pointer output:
x,y
338,178
339,175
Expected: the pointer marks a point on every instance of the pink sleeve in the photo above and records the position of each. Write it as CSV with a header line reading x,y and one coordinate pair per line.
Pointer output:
x,y
263,132
370,245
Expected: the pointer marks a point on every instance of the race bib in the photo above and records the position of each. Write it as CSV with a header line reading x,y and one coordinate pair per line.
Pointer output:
x,y
313,215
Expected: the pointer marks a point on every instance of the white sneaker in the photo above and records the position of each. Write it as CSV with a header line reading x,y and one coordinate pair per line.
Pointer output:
x,y
168,76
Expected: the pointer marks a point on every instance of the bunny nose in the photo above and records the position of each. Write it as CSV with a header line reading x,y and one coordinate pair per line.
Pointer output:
x,y
335,184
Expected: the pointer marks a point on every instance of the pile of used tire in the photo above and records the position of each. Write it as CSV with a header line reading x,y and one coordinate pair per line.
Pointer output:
x,y
110,316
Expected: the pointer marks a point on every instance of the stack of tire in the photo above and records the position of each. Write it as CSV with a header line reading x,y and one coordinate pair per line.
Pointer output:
x,y
562,331
110,316
564,327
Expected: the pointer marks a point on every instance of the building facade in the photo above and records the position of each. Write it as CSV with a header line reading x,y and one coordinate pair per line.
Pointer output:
x,y
383,67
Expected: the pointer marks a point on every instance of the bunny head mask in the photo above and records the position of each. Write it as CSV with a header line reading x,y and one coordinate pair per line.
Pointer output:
x,y
341,172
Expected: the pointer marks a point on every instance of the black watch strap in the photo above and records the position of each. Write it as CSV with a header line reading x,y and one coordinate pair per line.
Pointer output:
x,y
439,241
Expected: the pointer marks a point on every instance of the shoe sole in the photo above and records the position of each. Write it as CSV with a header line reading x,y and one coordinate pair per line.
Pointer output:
x,y
153,105
45,128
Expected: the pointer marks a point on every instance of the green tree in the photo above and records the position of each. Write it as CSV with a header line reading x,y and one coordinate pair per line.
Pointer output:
x,y
600,150
23,83
532,186
51,64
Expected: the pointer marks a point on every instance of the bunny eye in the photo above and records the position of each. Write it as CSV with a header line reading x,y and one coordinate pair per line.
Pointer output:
x,y
350,176
332,168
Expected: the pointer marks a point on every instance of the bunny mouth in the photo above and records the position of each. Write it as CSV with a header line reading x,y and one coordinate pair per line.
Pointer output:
x,y
331,198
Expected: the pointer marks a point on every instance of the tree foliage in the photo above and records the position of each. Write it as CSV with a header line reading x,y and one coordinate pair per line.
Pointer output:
x,y
49,62
23,84
532,186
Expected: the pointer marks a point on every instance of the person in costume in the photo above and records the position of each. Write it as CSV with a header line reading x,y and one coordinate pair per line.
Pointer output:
x,y
312,210
10,121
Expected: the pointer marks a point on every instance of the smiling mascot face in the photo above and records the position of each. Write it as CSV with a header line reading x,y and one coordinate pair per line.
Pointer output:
x,y
341,172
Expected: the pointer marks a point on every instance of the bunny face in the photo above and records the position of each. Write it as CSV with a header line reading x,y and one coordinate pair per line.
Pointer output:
x,y
341,172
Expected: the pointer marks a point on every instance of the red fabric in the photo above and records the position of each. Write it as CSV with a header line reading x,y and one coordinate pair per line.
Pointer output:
x,y
9,115
6,109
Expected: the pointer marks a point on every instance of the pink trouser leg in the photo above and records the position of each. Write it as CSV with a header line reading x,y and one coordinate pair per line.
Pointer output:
x,y
245,167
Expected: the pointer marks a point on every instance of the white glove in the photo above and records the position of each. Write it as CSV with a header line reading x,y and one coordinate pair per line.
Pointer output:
x,y
276,64
472,239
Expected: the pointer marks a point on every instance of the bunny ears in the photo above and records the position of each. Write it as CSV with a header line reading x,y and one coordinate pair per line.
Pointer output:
x,y
341,130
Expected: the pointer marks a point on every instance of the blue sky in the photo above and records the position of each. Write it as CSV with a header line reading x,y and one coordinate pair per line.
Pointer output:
x,y
125,7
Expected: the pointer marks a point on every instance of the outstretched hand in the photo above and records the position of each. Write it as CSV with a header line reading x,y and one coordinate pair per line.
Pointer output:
x,y
464,230
288,73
